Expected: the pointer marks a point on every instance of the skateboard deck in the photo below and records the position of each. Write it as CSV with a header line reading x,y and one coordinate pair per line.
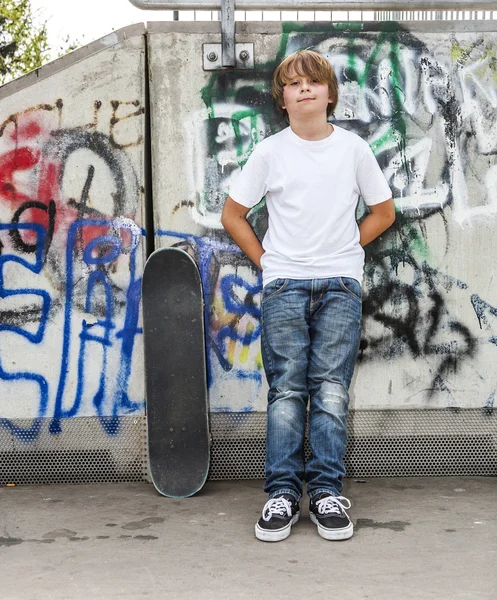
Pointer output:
x,y
176,390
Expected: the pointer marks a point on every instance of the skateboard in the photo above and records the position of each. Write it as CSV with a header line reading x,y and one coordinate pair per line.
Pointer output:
x,y
175,373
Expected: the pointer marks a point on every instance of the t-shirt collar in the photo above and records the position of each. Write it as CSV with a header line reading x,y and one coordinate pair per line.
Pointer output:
x,y
313,143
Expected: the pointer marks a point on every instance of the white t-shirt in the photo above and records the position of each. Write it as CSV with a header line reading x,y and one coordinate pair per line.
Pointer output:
x,y
312,189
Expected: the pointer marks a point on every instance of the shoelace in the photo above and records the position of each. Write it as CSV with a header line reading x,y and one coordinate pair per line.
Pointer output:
x,y
276,506
333,505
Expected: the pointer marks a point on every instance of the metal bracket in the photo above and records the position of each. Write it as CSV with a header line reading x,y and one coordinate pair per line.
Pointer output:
x,y
244,57
228,33
228,54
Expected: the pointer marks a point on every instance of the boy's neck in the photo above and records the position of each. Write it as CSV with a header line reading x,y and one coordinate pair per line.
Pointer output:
x,y
311,130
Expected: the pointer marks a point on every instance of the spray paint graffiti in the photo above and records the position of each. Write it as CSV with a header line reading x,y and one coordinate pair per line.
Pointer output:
x,y
232,310
426,105
70,264
71,237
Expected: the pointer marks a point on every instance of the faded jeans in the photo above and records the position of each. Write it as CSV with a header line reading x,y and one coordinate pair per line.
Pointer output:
x,y
311,331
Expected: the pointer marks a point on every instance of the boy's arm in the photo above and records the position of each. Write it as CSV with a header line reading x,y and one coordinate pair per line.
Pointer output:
x,y
234,221
379,219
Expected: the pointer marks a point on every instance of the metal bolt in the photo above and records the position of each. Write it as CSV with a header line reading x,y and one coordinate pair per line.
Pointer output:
x,y
212,56
244,55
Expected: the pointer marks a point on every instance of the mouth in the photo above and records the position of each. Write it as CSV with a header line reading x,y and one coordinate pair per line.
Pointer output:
x,y
305,99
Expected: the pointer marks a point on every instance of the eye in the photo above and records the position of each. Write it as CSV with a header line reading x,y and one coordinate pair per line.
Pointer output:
x,y
294,83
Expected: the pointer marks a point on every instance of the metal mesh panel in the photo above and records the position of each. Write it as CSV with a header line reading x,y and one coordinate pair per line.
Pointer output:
x,y
87,450
238,445
381,443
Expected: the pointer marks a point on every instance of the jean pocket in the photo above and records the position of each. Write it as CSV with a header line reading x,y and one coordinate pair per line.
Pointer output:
x,y
273,288
352,287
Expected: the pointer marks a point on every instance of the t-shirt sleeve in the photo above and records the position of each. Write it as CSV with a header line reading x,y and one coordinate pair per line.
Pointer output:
x,y
372,183
250,186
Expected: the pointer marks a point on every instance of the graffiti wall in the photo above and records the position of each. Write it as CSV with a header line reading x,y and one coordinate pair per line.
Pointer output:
x,y
72,216
72,241
426,103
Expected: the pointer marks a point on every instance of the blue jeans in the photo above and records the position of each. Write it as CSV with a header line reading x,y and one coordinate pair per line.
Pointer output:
x,y
311,331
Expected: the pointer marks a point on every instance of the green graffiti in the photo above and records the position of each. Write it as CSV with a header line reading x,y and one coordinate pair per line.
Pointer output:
x,y
415,240
236,117
251,89
461,54
222,85
491,57
487,56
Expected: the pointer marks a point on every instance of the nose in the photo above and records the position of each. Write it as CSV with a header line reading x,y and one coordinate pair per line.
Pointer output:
x,y
305,86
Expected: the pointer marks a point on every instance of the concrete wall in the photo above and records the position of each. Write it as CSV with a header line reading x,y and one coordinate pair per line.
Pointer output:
x,y
71,238
74,154
425,100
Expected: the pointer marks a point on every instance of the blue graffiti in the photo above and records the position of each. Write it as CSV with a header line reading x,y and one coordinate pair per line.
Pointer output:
x,y
26,434
29,433
101,251
99,332
88,335
130,329
36,268
206,249
235,306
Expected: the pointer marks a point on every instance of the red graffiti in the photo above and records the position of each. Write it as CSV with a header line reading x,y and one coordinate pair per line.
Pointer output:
x,y
11,163
26,131
33,169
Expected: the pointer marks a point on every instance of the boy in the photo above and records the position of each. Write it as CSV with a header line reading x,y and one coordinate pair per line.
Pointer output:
x,y
312,174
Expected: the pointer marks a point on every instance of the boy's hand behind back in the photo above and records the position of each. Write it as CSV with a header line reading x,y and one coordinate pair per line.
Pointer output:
x,y
379,219
234,220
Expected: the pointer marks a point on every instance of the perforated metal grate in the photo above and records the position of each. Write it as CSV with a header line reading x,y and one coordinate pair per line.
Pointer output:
x,y
381,444
87,450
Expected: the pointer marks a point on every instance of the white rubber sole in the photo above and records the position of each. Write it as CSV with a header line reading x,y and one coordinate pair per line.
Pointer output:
x,y
276,535
333,534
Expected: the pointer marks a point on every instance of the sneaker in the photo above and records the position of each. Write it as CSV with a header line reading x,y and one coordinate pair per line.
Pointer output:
x,y
278,516
328,513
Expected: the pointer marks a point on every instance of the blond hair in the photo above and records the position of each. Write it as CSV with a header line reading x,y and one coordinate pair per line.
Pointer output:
x,y
305,63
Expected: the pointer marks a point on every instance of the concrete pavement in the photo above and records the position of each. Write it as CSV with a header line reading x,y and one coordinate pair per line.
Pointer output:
x,y
415,539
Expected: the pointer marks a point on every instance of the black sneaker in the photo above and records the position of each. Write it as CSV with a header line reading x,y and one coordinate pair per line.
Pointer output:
x,y
328,512
278,516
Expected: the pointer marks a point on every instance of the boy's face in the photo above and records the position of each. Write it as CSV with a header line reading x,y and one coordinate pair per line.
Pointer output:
x,y
304,97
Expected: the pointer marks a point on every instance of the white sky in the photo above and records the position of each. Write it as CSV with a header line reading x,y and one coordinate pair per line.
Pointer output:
x,y
87,20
